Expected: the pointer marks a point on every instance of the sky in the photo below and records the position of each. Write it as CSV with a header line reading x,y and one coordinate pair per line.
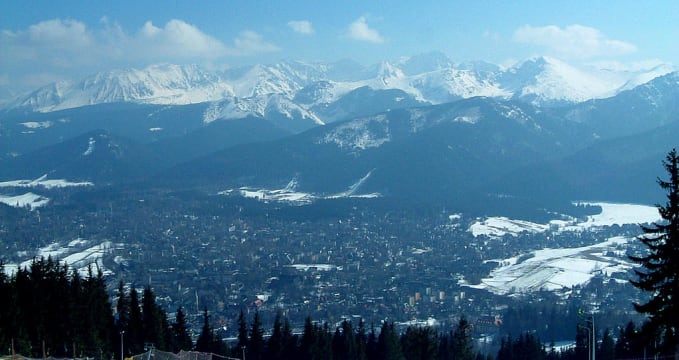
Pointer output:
x,y
46,41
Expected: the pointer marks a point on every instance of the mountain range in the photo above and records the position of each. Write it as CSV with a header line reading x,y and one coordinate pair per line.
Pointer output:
x,y
419,129
308,88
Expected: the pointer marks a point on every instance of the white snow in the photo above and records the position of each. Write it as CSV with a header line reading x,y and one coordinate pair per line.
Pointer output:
x,y
618,214
355,134
611,214
37,124
90,147
44,183
28,200
78,254
318,267
556,269
262,90
289,194
500,226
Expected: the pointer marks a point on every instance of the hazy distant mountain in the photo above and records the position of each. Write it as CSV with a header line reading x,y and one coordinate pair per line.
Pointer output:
x,y
97,156
181,130
445,150
429,78
420,128
640,109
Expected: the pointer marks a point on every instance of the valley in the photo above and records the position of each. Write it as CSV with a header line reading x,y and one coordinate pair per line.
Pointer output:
x,y
398,193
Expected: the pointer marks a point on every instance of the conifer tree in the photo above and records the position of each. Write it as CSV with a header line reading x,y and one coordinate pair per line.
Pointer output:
x,y
289,341
626,347
134,336
349,341
255,348
361,341
371,344
152,319
122,308
461,341
5,305
420,343
274,346
122,315
308,339
99,325
659,274
606,350
242,335
180,332
77,306
388,343
204,341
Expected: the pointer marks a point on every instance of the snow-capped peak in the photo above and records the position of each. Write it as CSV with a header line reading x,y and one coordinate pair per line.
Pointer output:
x,y
428,78
156,84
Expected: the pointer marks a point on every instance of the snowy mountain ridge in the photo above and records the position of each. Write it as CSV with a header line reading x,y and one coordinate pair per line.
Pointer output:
x,y
429,78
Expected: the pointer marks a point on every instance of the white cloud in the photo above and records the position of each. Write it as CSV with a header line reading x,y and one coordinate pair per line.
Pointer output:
x,y
250,43
176,40
301,26
573,41
58,47
359,30
55,42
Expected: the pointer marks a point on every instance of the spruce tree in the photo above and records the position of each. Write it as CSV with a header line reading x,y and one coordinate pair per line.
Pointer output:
x,y
388,343
255,349
461,341
152,319
606,350
180,332
289,341
242,335
659,273
204,342
122,315
274,346
134,336
361,341
5,306
420,343
308,339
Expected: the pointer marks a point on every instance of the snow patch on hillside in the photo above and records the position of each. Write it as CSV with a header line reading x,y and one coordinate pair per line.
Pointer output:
x,y
90,147
78,254
291,195
43,182
611,214
359,134
28,200
37,124
557,269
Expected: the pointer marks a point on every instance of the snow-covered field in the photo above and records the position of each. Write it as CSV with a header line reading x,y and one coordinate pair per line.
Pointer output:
x,y
557,269
290,195
611,214
78,254
317,267
28,200
44,183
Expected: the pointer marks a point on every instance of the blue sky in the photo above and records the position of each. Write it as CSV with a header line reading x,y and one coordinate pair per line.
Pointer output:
x,y
44,41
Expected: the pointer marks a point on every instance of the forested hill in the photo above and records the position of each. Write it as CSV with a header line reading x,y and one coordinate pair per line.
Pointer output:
x,y
48,310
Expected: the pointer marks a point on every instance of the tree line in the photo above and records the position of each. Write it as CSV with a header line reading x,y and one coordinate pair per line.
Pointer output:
x,y
47,310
